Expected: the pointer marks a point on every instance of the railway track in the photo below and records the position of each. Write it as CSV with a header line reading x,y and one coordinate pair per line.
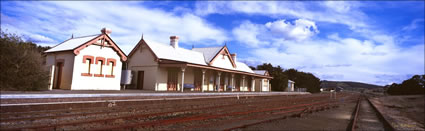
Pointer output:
x,y
183,114
367,117
263,118
17,116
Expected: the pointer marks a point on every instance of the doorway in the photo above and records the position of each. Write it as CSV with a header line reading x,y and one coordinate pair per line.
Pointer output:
x,y
198,79
172,80
238,83
59,66
140,77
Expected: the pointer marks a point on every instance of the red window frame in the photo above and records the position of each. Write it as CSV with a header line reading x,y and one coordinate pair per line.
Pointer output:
x,y
114,63
102,62
85,58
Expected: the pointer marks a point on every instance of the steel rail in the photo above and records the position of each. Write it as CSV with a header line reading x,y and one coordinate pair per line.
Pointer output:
x,y
245,118
331,104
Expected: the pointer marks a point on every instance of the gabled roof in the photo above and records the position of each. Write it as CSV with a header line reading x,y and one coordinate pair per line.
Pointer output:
x,y
243,67
78,43
167,52
162,51
209,52
215,53
72,43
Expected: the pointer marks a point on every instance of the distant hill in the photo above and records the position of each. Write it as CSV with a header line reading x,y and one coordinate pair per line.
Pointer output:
x,y
347,85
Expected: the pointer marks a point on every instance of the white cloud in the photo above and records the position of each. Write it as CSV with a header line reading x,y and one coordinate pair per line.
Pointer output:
x,y
29,36
300,30
340,6
61,19
247,33
413,25
333,12
345,58
371,53
256,35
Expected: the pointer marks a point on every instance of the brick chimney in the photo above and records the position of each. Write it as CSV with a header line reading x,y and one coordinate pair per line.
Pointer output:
x,y
233,56
106,31
174,41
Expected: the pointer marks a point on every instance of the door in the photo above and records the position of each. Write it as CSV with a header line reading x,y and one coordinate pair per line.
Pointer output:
x,y
140,77
59,67
238,83
198,80
222,82
172,80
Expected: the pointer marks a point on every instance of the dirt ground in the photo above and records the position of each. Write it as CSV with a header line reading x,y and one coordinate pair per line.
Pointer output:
x,y
402,112
333,119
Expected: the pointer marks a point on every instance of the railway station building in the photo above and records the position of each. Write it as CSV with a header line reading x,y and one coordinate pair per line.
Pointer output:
x,y
168,67
86,63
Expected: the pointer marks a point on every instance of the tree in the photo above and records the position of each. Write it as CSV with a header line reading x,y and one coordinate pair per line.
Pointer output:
x,y
412,86
281,76
304,80
279,81
252,68
21,64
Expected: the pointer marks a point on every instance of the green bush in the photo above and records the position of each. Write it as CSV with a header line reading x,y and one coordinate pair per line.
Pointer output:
x,y
21,64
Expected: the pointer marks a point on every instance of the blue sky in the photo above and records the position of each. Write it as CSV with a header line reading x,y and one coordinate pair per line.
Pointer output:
x,y
375,41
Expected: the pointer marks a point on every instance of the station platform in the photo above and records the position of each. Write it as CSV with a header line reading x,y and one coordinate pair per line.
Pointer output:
x,y
65,99
128,93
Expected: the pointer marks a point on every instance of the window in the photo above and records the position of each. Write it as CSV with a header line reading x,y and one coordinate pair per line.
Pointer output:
x,y
110,67
99,66
87,65
100,61
88,61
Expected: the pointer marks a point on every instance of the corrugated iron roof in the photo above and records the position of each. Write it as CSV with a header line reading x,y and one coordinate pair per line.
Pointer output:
x,y
72,43
164,51
260,72
209,52
243,67
200,56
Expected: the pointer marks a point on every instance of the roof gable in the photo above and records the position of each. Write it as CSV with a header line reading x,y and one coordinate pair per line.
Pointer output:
x,y
139,45
79,43
162,51
226,52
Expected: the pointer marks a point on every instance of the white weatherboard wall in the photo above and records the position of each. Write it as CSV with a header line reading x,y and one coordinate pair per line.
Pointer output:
x,y
91,82
68,62
258,84
222,62
265,85
144,60
162,79
149,76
